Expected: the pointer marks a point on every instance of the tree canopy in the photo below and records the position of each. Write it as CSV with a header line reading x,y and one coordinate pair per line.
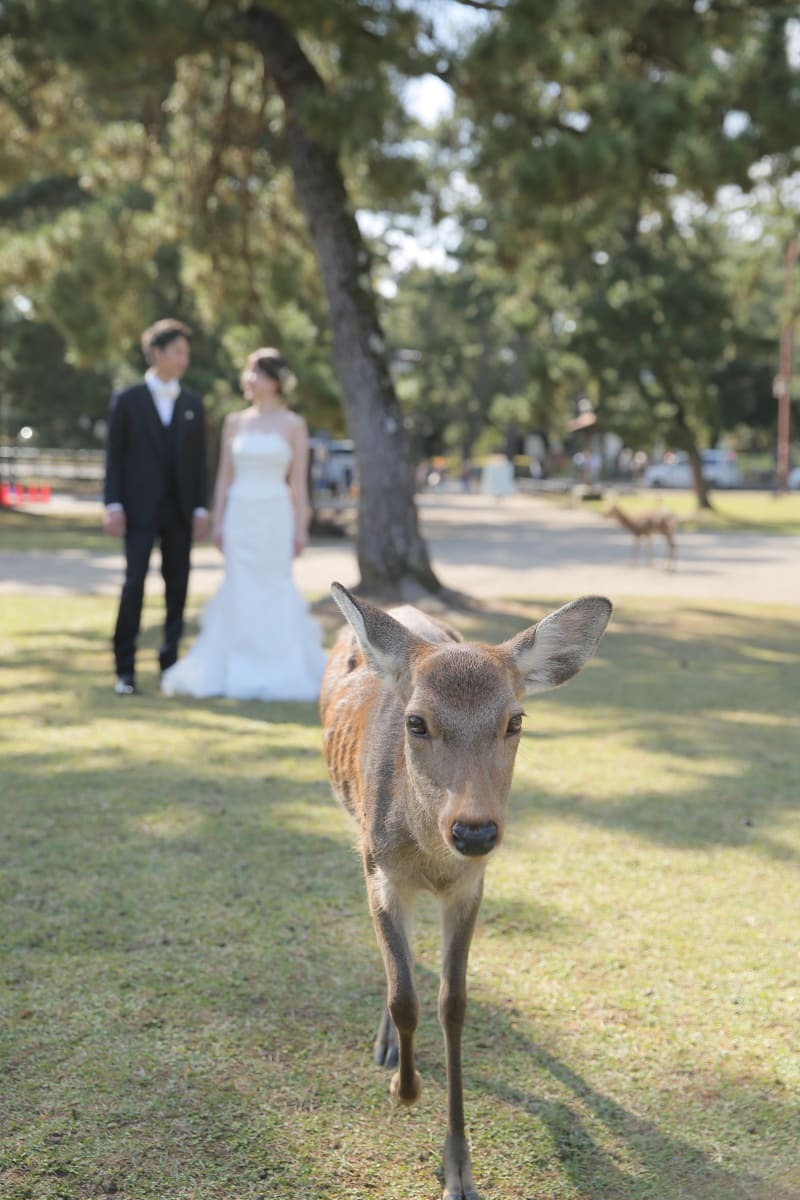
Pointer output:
x,y
617,183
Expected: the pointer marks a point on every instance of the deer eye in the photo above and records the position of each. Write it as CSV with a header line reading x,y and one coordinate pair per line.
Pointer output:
x,y
514,725
417,726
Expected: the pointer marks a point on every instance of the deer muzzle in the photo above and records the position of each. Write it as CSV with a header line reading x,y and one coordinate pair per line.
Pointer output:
x,y
474,840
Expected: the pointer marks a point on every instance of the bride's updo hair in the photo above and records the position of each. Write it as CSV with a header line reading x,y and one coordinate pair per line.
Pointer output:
x,y
272,363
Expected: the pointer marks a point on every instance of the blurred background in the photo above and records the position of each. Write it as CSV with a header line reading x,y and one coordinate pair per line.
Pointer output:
x,y
576,224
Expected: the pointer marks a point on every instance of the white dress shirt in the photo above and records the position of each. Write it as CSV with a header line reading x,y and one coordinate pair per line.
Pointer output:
x,y
164,393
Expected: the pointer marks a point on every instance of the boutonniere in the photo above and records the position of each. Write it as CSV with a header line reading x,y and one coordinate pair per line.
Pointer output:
x,y
189,415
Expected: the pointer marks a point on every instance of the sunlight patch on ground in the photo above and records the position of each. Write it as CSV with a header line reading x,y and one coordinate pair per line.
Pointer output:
x,y
174,822
766,719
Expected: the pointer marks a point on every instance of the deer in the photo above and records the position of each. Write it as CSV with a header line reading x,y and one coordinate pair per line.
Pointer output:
x,y
644,525
421,730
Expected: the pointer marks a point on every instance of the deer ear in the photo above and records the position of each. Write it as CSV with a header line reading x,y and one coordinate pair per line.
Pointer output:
x,y
550,653
385,643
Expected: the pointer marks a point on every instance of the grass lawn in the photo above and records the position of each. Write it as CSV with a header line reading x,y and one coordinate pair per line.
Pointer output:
x,y
738,512
190,982
43,530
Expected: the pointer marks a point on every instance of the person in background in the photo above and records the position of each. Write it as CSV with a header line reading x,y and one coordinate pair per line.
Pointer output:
x,y
155,489
258,640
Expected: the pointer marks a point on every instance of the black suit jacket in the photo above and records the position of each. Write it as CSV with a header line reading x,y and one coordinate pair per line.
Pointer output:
x,y
138,463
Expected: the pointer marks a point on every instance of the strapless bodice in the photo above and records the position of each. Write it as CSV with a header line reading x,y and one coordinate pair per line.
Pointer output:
x,y
261,460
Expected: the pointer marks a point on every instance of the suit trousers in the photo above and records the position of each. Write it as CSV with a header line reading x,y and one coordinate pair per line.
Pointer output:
x,y
175,538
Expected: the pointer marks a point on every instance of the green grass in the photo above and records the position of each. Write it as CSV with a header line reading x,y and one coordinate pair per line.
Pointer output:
x,y
53,531
190,982
735,512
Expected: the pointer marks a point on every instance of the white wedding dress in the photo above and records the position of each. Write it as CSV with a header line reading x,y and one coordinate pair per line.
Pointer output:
x,y
257,639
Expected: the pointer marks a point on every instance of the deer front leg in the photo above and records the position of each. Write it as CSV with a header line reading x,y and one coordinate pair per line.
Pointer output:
x,y
458,923
391,917
670,552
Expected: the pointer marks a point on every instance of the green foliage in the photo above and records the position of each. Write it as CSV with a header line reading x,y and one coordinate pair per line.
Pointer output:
x,y
144,172
601,139
131,195
572,102
43,390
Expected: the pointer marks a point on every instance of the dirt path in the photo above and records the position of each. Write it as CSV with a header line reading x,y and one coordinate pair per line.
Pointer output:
x,y
519,546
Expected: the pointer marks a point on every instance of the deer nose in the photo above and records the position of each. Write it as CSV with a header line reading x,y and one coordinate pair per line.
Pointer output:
x,y
474,840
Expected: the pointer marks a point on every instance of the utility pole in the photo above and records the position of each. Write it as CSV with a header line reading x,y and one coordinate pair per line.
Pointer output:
x,y
782,385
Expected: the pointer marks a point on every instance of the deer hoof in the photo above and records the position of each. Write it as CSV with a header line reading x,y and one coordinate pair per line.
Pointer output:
x,y
387,1057
458,1183
408,1097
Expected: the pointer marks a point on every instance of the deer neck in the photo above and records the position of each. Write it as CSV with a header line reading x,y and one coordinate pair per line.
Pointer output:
x,y
405,841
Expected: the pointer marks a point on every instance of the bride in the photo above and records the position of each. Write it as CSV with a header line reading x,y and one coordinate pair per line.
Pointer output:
x,y
257,639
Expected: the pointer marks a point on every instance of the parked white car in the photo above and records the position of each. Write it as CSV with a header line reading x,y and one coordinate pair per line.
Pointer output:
x,y
720,469
794,479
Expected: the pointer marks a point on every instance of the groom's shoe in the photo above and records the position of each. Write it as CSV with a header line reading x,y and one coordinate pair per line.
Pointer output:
x,y
125,686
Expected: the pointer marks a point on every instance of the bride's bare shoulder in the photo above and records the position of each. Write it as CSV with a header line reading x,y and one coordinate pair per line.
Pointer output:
x,y
297,424
235,421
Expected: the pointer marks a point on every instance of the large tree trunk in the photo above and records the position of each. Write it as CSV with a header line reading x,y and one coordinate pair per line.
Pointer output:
x,y
700,485
688,442
391,551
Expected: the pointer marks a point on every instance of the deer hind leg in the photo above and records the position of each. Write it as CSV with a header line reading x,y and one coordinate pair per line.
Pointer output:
x,y
392,920
458,923
386,1050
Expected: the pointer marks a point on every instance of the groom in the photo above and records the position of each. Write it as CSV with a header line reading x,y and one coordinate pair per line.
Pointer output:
x,y
155,488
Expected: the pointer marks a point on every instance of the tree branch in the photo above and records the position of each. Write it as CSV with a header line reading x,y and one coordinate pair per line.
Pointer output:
x,y
55,193
21,105
485,5
291,70
214,165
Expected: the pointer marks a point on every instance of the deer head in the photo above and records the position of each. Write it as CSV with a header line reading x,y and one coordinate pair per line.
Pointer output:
x,y
461,706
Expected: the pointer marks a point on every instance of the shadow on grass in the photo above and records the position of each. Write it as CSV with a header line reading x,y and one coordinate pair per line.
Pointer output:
x,y
660,1164
690,684
212,985
168,939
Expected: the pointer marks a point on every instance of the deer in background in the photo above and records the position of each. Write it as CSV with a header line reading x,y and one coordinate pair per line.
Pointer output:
x,y
644,525
421,731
